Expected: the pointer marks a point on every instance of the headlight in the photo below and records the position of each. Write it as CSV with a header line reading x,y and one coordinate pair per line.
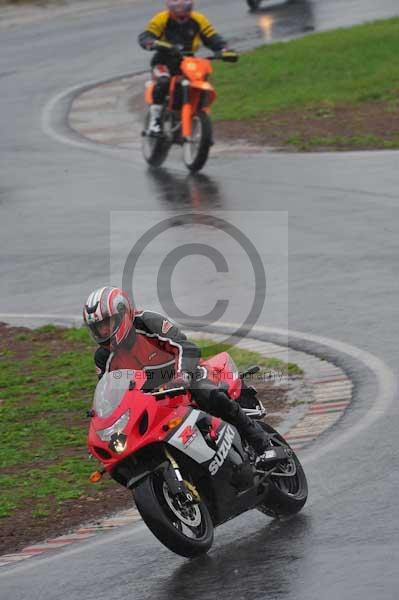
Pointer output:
x,y
119,425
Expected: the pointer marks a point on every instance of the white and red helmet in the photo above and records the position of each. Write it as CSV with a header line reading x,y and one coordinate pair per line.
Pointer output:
x,y
180,9
109,305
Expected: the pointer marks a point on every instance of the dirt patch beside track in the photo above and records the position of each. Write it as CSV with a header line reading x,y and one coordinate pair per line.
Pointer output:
x,y
374,125
370,126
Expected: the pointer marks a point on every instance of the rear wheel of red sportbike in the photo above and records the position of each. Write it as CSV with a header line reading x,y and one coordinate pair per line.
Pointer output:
x,y
186,529
196,150
155,149
288,485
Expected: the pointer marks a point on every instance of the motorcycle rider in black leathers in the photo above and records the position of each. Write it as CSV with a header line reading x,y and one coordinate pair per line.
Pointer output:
x,y
145,340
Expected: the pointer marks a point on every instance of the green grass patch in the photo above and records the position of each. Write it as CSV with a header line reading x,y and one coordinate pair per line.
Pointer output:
x,y
246,358
43,427
345,66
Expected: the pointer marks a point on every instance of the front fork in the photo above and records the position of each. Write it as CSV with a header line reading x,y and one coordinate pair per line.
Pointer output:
x,y
178,487
187,111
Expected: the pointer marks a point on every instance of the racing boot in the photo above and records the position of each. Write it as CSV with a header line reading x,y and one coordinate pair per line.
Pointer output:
x,y
250,430
216,402
155,126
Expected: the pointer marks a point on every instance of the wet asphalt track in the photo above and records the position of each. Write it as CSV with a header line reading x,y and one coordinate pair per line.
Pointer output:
x,y
343,283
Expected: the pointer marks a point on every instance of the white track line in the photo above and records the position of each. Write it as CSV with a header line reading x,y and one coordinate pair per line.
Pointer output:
x,y
50,129
386,382
97,540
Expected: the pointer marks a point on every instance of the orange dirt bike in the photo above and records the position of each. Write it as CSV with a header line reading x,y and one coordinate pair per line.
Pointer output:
x,y
185,114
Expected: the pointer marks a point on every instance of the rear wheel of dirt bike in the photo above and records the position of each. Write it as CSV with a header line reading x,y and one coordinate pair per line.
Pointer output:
x,y
196,150
288,485
186,529
253,4
155,149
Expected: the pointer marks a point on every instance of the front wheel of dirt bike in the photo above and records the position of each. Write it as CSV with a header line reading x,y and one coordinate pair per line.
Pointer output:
x,y
196,150
186,529
155,149
288,485
253,4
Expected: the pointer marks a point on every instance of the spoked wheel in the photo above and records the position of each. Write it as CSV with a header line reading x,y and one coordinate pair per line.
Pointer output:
x,y
185,528
196,150
288,486
253,4
155,149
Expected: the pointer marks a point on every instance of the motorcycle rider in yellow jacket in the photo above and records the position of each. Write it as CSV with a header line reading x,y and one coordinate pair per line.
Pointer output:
x,y
178,25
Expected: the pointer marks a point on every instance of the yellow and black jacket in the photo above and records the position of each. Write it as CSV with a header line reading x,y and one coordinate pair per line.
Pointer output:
x,y
188,34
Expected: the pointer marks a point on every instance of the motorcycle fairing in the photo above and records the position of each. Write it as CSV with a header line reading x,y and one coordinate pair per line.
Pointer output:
x,y
189,439
147,420
232,486
196,68
219,458
195,445
219,369
226,479
145,426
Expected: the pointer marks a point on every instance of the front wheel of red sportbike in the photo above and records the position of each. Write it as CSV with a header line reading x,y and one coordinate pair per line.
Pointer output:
x,y
196,149
186,529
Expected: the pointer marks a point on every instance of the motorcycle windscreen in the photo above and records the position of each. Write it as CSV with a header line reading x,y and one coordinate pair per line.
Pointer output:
x,y
112,387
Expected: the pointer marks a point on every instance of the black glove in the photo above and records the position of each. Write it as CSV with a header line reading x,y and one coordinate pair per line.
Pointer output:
x,y
229,55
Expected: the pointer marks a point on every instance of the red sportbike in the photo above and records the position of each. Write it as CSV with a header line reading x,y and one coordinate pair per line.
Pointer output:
x,y
185,116
188,471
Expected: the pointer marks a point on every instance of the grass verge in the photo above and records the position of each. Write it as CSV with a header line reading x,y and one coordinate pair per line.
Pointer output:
x,y
314,89
47,379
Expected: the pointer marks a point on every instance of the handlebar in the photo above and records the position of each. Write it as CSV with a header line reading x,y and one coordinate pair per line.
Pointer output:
x,y
172,48
161,394
226,55
250,371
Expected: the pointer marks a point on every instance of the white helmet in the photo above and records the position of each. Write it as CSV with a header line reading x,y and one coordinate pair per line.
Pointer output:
x,y
180,9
